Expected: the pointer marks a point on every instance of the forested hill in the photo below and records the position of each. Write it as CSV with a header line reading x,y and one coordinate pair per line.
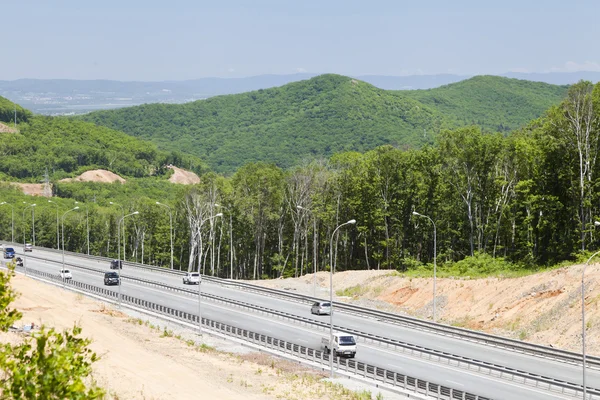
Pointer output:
x,y
7,112
492,102
66,147
325,115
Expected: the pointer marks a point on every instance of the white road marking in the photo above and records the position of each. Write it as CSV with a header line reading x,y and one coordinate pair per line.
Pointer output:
x,y
395,366
456,383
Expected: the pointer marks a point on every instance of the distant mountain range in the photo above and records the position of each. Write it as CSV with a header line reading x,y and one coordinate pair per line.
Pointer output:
x,y
61,96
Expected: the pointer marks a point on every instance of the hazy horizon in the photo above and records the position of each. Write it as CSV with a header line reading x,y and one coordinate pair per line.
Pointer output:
x,y
153,41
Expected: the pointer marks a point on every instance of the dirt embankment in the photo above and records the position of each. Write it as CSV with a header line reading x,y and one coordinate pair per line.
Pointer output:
x,y
543,308
183,177
97,175
6,129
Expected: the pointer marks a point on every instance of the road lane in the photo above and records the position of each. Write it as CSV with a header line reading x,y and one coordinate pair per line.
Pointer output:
x,y
472,350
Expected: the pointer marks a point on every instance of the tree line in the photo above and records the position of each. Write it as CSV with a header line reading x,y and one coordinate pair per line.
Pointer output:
x,y
531,198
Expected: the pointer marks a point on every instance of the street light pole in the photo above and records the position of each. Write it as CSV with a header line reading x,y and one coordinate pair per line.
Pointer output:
x,y
87,226
63,242
33,225
12,227
119,259
200,279
314,248
57,238
122,216
24,256
170,229
596,223
434,258
331,268
230,239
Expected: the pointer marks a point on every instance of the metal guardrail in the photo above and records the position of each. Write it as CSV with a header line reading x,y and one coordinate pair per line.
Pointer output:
x,y
410,322
496,371
350,366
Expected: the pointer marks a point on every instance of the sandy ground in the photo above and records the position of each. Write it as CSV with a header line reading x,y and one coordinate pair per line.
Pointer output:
x,y
183,177
6,129
140,360
34,189
544,308
97,175
180,176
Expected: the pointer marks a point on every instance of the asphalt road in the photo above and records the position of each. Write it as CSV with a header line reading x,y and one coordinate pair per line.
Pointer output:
x,y
372,354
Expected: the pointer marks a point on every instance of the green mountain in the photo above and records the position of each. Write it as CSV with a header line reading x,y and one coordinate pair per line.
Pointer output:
x,y
325,115
7,112
492,102
65,147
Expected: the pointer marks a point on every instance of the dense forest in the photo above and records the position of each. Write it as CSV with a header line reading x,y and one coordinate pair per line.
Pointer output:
x,y
325,115
64,147
529,198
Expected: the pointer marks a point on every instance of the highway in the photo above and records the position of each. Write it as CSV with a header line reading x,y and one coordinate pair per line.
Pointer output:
x,y
371,353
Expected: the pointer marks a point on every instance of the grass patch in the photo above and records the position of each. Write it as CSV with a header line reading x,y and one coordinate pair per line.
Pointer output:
x,y
353,291
464,322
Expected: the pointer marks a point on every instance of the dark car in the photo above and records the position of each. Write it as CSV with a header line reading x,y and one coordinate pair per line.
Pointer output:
x,y
112,278
9,252
116,264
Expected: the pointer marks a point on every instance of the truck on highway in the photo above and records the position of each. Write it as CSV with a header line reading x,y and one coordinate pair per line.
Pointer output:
x,y
344,344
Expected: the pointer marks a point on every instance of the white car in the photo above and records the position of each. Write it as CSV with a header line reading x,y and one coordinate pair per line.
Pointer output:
x,y
66,274
28,247
191,278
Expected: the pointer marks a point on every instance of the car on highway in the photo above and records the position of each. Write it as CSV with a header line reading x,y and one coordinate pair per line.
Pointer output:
x,y
321,308
28,247
344,344
191,278
112,278
116,264
66,274
9,252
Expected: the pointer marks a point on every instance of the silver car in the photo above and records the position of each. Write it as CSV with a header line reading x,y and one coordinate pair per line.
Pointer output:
x,y
321,307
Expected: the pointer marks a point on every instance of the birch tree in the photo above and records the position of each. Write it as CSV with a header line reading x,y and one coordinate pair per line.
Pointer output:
x,y
579,128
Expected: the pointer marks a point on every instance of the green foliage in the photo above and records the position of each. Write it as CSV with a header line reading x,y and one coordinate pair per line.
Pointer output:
x,y
8,316
48,365
52,365
326,115
66,147
494,103
7,112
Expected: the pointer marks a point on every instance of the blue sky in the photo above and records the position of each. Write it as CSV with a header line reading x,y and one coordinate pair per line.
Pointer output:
x,y
187,39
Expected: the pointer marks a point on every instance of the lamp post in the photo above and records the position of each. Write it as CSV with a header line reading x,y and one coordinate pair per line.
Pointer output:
x,y
314,249
200,280
331,268
230,239
596,223
32,223
87,227
170,228
57,238
24,256
119,257
63,241
12,228
122,216
434,258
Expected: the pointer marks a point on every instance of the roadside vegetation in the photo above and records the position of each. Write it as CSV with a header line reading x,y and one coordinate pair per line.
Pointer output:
x,y
46,365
